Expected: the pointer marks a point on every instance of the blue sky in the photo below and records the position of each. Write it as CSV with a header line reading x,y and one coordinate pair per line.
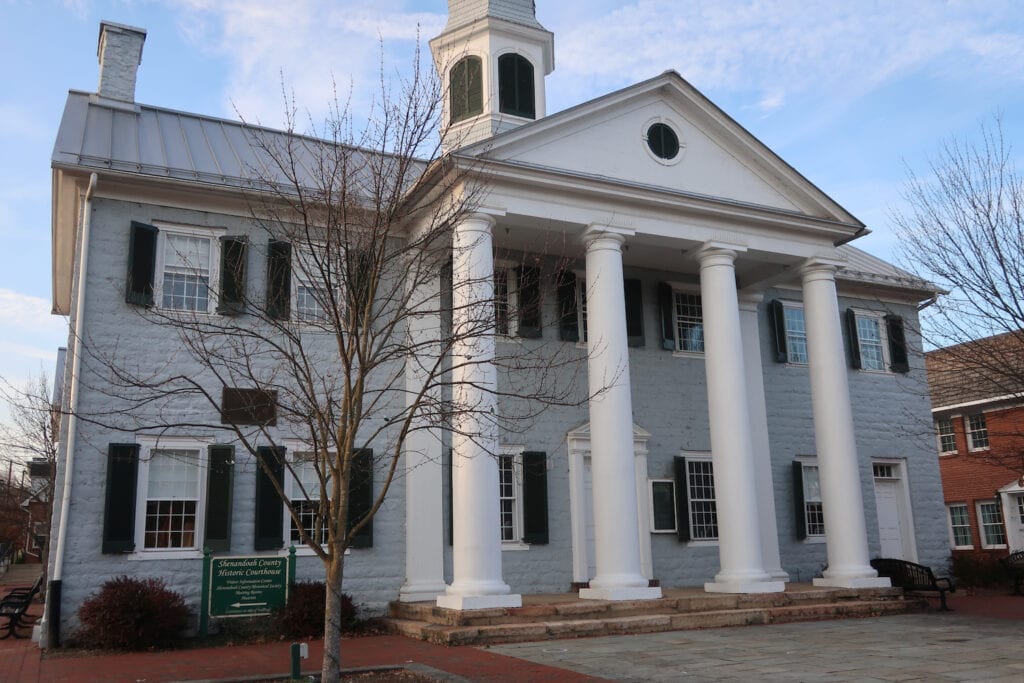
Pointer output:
x,y
850,93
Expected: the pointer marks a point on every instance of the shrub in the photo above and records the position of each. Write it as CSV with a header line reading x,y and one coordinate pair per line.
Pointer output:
x,y
303,615
132,614
977,570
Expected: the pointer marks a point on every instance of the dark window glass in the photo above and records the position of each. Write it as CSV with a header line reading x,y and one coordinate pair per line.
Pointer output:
x,y
663,141
664,502
465,89
515,86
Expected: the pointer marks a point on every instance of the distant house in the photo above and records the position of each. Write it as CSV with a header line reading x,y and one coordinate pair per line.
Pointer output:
x,y
977,392
759,372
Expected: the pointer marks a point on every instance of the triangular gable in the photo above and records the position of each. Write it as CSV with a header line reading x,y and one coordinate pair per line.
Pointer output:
x,y
605,138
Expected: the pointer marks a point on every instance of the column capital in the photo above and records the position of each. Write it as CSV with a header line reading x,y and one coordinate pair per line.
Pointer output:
x,y
820,267
478,220
596,235
749,301
716,253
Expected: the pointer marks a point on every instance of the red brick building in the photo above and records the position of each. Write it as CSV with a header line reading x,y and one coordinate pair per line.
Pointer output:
x,y
977,392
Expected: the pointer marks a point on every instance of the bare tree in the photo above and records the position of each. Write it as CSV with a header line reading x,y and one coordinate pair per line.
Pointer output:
x,y
30,434
964,230
350,347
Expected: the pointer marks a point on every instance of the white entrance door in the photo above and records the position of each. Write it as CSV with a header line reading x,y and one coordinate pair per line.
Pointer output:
x,y
895,534
1015,522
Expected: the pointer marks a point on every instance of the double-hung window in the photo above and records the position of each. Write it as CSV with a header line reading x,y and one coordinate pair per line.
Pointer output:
x,y
171,487
959,527
178,268
871,341
509,486
517,304
946,435
311,301
187,264
796,334
877,340
809,510
689,322
703,512
304,498
977,432
990,523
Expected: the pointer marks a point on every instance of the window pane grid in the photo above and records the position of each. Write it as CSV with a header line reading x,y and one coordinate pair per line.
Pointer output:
x,y
1020,508
501,301
814,512
869,337
947,437
172,492
796,335
308,511
960,525
991,519
689,323
507,496
977,431
308,306
186,276
703,510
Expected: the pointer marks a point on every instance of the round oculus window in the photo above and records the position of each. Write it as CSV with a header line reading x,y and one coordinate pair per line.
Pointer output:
x,y
663,141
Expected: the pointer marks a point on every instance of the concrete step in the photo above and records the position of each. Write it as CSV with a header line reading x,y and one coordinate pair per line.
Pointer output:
x,y
558,621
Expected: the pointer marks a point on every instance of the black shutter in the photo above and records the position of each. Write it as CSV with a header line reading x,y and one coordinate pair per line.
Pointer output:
x,y
667,305
535,497
799,508
633,291
218,497
897,344
119,508
852,338
279,280
360,496
141,264
529,302
568,310
682,499
231,300
269,506
777,320
451,510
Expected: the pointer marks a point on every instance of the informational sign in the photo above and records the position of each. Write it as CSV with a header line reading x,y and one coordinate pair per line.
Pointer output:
x,y
247,586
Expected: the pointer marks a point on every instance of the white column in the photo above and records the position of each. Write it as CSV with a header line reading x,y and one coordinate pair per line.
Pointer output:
x,y
739,547
838,469
617,545
424,535
751,332
476,549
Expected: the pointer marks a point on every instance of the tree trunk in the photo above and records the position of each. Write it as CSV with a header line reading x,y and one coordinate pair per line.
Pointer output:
x,y
331,669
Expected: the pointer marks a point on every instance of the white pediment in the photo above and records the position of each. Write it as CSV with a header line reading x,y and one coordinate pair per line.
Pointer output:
x,y
606,138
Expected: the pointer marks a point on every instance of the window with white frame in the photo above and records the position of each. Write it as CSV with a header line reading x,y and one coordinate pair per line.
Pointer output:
x,y
1020,508
663,506
689,321
946,435
700,480
990,523
188,261
508,497
796,333
506,300
977,432
310,304
814,513
304,498
959,526
172,476
872,341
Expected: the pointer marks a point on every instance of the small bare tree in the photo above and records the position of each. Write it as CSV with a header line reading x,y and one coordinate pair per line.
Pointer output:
x,y
350,347
30,433
964,230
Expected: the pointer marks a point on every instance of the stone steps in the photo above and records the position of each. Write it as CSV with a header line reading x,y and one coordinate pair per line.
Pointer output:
x,y
547,619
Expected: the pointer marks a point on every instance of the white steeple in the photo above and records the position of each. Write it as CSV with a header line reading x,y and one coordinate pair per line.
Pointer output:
x,y
492,56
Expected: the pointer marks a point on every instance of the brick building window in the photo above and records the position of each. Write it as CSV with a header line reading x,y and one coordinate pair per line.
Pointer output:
x,y
990,521
960,527
946,435
977,432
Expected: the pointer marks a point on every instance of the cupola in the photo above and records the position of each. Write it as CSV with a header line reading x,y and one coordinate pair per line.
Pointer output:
x,y
492,56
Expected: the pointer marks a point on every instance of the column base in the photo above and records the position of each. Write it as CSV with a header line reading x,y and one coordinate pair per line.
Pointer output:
x,y
421,592
621,593
744,587
778,575
853,582
466,602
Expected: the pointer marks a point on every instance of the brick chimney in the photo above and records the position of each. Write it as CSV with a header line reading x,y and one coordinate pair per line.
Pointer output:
x,y
120,53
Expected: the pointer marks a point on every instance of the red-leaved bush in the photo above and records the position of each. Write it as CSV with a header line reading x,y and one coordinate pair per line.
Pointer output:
x,y
132,614
303,615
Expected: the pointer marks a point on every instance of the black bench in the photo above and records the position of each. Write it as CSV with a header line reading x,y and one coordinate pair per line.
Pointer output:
x,y
1014,566
14,607
911,576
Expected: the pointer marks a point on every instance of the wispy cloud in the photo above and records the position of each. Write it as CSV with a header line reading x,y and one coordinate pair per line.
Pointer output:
x,y
27,313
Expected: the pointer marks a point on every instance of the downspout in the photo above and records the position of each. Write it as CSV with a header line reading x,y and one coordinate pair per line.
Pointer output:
x,y
53,593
